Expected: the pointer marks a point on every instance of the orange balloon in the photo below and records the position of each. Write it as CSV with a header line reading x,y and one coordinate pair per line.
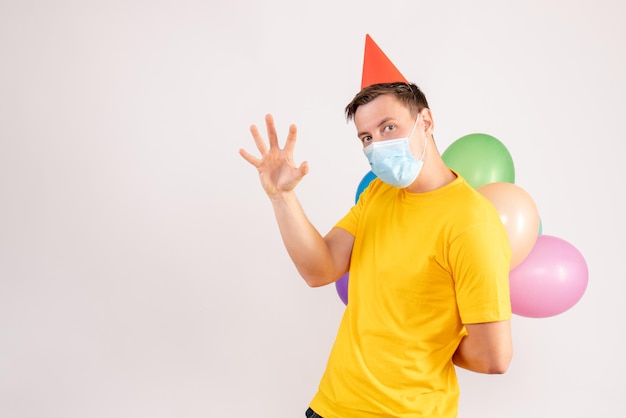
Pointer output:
x,y
519,215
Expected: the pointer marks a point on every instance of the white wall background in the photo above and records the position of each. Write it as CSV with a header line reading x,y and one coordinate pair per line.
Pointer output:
x,y
141,271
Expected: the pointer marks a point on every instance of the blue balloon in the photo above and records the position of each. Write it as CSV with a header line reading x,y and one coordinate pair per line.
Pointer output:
x,y
367,179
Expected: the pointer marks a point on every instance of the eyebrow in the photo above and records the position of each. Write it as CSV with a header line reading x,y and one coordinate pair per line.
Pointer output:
x,y
382,122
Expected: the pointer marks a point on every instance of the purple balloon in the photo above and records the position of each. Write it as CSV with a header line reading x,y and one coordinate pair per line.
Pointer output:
x,y
342,288
550,280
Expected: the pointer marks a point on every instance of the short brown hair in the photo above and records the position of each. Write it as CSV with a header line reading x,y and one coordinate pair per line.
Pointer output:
x,y
408,93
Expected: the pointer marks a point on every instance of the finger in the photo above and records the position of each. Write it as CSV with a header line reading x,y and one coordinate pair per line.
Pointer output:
x,y
249,157
303,169
258,140
291,139
271,131
300,173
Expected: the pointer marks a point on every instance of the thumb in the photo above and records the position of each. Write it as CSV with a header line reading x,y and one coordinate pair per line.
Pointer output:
x,y
303,170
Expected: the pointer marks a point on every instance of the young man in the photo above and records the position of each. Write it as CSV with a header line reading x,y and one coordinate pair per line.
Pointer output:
x,y
428,258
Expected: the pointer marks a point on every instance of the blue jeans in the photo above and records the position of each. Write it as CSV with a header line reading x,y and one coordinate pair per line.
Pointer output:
x,y
311,414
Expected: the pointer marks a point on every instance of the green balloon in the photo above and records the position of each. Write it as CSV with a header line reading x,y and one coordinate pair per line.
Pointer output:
x,y
480,159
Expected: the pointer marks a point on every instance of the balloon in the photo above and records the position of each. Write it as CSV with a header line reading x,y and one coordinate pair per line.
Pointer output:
x,y
480,159
367,179
551,280
519,215
341,286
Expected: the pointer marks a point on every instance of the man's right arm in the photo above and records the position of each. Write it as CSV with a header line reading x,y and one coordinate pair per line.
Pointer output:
x,y
319,260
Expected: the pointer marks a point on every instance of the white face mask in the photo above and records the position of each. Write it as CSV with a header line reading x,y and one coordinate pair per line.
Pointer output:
x,y
392,161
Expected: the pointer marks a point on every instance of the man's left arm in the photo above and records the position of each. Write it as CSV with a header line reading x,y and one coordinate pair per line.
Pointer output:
x,y
487,348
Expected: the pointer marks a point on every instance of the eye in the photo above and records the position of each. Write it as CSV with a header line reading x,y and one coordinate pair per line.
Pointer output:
x,y
366,139
389,128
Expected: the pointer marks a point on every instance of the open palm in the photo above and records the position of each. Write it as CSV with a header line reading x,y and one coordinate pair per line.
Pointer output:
x,y
277,170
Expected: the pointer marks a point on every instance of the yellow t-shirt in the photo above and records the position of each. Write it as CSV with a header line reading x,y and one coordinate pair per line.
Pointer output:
x,y
423,264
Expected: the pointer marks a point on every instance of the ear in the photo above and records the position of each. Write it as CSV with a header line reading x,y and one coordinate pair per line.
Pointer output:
x,y
427,118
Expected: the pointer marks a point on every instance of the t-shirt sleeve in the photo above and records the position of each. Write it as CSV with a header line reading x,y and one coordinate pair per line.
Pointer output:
x,y
480,258
350,221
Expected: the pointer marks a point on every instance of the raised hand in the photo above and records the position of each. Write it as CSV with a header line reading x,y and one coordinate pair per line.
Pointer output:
x,y
277,171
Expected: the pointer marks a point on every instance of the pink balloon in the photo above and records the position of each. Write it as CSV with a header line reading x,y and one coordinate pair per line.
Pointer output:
x,y
341,286
550,280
